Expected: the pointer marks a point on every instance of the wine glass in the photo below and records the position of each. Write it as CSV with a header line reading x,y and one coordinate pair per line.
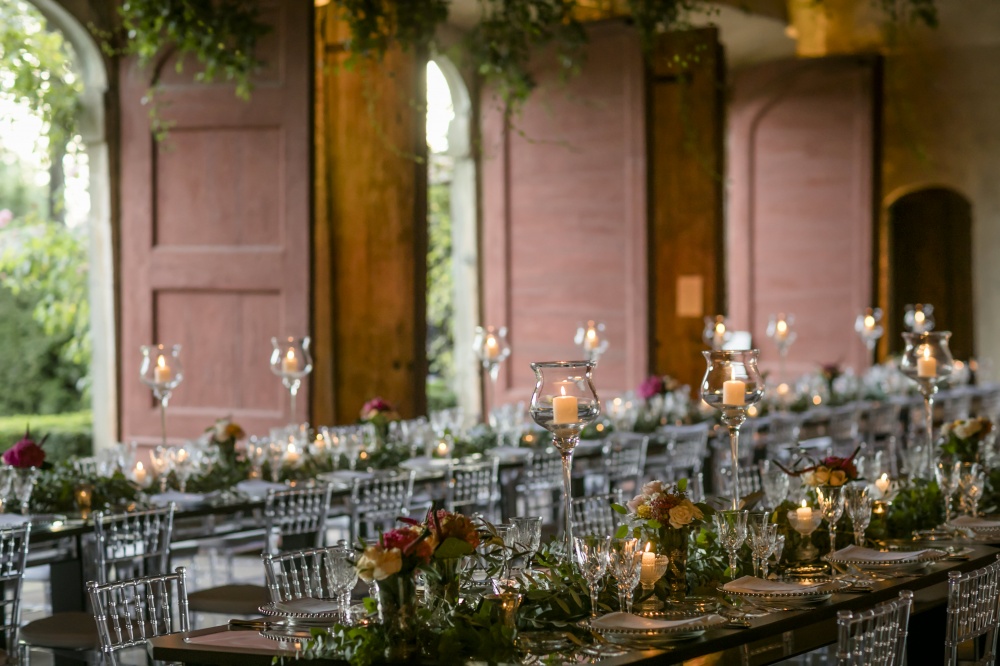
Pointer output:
x,y
492,349
592,556
774,482
927,361
564,402
944,474
527,536
290,360
971,483
590,338
159,459
162,372
830,500
732,528
763,535
626,566
858,505
182,461
731,384
24,483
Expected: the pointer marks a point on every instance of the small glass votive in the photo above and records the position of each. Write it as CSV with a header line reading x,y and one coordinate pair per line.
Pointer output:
x,y
652,569
83,497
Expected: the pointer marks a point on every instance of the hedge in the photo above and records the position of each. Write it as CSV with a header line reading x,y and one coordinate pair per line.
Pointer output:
x,y
70,434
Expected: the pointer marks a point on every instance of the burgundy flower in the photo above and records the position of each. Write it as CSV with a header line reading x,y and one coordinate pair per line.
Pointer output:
x,y
26,453
376,405
652,385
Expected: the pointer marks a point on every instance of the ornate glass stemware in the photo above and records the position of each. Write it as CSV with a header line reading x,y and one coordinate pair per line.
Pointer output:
x,y
492,349
590,338
564,402
732,384
290,360
162,372
927,361
868,326
831,504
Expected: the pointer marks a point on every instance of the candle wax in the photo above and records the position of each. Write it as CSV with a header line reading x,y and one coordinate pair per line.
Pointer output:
x,y
564,409
734,392
290,364
926,366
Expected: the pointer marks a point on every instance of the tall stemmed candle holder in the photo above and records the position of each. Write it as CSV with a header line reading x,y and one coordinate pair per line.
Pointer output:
x,y
732,383
716,333
927,361
492,349
290,360
779,329
564,402
161,371
590,338
919,318
868,326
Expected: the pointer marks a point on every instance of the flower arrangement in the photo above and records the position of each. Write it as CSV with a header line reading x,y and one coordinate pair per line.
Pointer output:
x,y
224,433
657,385
26,452
961,439
830,471
660,505
379,413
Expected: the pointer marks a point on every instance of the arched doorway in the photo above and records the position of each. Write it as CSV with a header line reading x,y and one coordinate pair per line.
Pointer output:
x,y
451,211
930,261
91,68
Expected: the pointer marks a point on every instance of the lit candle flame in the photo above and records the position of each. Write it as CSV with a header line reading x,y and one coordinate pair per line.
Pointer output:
x,y
869,322
290,355
161,362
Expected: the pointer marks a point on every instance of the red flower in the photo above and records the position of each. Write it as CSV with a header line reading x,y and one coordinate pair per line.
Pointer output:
x,y
652,385
26,453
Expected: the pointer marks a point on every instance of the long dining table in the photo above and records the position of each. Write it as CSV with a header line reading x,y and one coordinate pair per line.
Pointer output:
x,y
764,640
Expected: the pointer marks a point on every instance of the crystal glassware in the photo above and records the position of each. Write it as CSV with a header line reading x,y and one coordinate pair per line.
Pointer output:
x,y
779,330
591,340
626,566
774,482
290,360
592,557
716,333
927,361
732,528
182,462
159,460
919,318
732,384
492,349
830,500
652,568
564,402
869,327
24,482
343,576
763,536
858,506
971,483
161,371
805,520
527,537
947,481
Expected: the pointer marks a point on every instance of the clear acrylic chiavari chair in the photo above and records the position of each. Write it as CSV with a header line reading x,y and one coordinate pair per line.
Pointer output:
x,y
624,459
474,488
593,515
320,573
13,554
973,611
877,636
129,612
540,482
376,502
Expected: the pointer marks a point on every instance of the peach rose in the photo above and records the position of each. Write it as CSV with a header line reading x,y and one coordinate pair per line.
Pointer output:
x,y
378,564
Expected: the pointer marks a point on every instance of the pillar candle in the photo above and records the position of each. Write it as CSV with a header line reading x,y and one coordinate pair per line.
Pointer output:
x,y
564,409
926,365
882,484
648,566
290,364
804,513
734,391
161,373
492,347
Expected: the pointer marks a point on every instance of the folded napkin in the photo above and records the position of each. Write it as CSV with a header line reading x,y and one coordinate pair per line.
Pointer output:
x,y
14,519
867,554
629,621
306,605
973,523
177,498
345,475
259,487
509,452
761,586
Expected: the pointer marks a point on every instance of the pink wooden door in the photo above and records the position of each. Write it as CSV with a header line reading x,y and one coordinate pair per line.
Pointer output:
x,y
801,213
215,234
564,216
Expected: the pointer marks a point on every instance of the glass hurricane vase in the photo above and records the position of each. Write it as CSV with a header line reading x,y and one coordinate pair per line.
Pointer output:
x,y
291,361
732,383
564,402
492,349
162,372
928,362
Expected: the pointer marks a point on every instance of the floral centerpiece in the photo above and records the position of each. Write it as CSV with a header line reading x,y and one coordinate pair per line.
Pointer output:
x,y
26,453
379,413
657,385
832,471
961,440
453,537
225,434
664,515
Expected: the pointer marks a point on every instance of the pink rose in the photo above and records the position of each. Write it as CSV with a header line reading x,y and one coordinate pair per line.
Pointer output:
x,y
652,385
26,453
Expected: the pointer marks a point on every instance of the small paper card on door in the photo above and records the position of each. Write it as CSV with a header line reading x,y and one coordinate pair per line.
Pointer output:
x,y
690,290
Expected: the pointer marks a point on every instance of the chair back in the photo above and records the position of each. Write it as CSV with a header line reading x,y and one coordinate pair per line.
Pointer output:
x,y
687,449
884,420
304,573
989,404
784,429
13,554
87,466
543,470
378,501
129,612
973,611
844,423
474,487
624,459
296,511
133,544
877,636
594,515
955,404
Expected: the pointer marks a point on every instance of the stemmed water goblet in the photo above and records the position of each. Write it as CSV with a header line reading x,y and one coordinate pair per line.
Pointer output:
x,y
161,371
732,384
564,402
830,500
159,460
343,576
858,505
777,548
291,360
626,566
928,362
182,462
732,528
762,533
971,484
492,349
947,481
592,557
526,537
774,482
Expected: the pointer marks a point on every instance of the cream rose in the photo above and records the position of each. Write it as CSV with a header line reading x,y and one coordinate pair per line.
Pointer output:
x,y
378,564
652,488
681,516
695,511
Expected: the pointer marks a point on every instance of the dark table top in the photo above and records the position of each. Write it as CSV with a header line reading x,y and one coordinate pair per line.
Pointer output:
x,y
768,639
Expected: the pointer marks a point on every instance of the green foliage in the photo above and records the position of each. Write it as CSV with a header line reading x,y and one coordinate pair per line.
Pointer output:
x,y
68,435
376,25
54,491
46,264
440,286
917,505
18,192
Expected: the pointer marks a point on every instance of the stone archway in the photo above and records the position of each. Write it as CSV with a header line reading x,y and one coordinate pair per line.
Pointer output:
x,y
93,72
